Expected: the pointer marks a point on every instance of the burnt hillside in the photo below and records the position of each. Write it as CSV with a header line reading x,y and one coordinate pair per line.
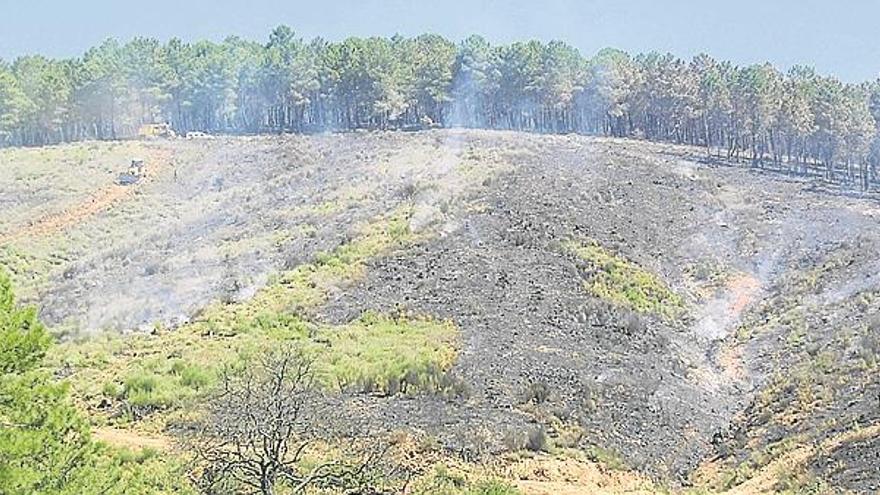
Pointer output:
x,y
704,323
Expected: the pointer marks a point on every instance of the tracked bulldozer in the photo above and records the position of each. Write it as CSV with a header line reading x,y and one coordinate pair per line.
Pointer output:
x,y
154,131
136,171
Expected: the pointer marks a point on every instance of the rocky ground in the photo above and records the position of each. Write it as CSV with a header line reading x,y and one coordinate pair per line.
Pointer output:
x,y
773,353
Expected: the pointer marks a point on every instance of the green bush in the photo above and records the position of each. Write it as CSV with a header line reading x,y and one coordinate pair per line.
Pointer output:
x,y
195,378
112,389
143,389
445,482
156,387
141,383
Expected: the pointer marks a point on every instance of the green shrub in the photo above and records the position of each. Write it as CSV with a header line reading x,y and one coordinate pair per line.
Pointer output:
x,y
143,389
141,383
195,378
155,387
112,389
445,482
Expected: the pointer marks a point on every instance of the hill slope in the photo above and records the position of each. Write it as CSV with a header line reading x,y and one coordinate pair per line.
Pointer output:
x,y
697,321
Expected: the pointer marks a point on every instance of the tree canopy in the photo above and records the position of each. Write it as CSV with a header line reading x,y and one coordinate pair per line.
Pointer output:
x,y
289,84
45,444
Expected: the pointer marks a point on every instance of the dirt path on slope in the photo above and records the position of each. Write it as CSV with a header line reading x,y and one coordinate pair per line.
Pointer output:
x,y
158,161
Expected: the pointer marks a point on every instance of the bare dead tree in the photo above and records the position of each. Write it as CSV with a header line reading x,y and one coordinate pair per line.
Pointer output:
x,y
259,425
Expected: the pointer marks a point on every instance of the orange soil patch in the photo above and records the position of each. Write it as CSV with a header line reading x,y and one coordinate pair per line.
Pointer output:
x,y
132,440
731,362
744,289
100,200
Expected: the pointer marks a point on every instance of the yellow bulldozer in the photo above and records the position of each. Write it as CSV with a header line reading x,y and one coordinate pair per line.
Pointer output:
x,y
153,131
136,171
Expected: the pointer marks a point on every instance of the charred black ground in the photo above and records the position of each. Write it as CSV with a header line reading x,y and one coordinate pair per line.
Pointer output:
x,y
664,393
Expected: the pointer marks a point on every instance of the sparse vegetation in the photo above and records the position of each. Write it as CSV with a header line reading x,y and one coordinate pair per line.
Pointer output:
x,y
444,481
616,279
607,458
278,305
259,426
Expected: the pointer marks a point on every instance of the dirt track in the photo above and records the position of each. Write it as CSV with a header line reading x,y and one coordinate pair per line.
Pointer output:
x,y
97,202
772,271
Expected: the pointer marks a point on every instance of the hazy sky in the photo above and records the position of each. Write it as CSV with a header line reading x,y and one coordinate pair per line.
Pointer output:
x,y
837,37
